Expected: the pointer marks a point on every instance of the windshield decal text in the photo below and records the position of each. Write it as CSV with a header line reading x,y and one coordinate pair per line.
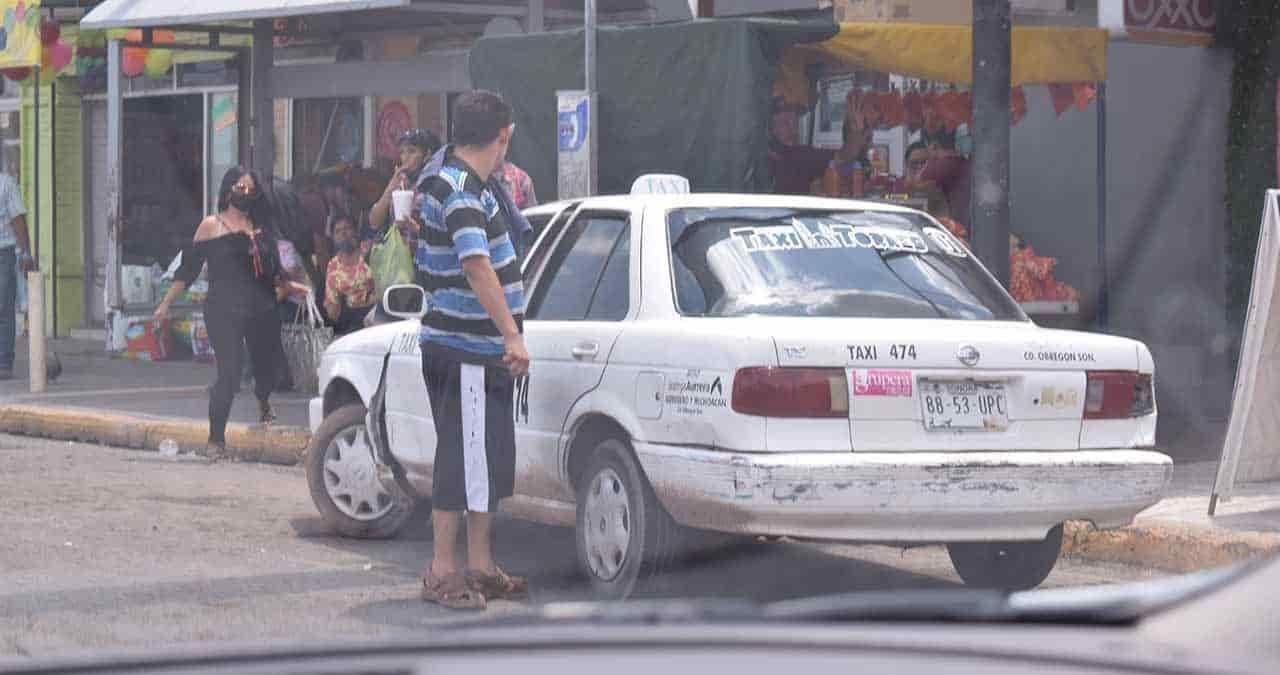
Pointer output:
x,y
827,235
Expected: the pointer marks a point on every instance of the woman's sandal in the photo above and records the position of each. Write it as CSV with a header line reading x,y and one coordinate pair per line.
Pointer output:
x,y
498,585
451,591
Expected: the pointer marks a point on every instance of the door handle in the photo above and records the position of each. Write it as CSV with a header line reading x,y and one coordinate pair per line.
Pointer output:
x,y
585,350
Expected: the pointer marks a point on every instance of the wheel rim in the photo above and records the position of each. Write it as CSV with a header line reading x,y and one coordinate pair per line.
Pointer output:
x,y
351,479
607,526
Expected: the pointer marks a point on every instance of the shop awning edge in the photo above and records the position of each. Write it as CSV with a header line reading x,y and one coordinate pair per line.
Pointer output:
x,y
156,13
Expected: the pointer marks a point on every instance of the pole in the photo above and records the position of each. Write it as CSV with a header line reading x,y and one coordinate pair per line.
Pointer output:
x,y
1104,280
35,329
992,54
262,109
35,162
592,96
115,152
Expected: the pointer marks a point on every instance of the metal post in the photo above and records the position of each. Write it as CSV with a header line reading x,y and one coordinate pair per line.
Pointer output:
x,y
592,97
35,330
115,181
1104,280
536,21
263,111
992,53
34,231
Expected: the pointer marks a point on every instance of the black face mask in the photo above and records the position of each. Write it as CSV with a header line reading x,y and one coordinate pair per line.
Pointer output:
x,y
242,201
346,245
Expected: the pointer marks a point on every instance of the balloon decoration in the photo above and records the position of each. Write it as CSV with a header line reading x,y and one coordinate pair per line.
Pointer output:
x,y
152,62
157,62
16,74
133,61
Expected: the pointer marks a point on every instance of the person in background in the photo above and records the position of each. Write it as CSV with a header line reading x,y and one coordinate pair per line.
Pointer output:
x,y
517,183
795,167
847,172
15,258
416,146
245,283
349,288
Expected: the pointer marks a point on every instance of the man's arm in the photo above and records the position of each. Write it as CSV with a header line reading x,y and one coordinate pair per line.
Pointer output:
x,y
484,282
19,225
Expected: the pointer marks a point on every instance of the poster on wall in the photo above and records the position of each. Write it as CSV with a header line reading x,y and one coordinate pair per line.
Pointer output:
x,y
393,120
20,33
573,121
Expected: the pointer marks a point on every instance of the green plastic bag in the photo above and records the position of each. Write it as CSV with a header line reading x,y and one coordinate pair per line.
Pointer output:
x,y
390,261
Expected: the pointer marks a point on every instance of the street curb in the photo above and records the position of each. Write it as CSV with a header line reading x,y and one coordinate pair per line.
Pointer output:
x,y
1166,545
270,444
1151,543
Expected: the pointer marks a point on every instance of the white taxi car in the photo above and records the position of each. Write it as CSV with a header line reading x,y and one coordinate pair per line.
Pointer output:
x,y
765,365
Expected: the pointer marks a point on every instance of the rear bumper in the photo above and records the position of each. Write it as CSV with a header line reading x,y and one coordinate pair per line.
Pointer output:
x,y
903,496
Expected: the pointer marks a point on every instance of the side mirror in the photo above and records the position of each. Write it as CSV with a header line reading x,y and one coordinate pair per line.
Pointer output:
x,y
405,301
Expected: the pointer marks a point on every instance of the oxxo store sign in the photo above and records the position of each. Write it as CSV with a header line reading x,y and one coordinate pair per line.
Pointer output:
x,y
1172,21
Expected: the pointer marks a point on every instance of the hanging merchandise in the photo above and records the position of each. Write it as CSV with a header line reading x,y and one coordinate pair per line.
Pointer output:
x,y
133,61
50,32
1017,105
16,74
157,62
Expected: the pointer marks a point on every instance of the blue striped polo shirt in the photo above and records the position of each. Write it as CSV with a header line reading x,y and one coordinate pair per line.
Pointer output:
x,y
461,218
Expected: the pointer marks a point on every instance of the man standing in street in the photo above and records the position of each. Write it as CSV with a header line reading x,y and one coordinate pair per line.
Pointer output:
x,y
15,256
472,350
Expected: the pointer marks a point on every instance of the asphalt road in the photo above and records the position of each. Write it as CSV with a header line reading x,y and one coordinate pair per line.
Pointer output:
x,y
105,548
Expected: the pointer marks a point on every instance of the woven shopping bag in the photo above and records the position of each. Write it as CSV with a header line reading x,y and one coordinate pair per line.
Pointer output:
x,y
304,343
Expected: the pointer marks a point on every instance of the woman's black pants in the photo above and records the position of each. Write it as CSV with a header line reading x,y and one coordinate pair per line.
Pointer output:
x,y
230,332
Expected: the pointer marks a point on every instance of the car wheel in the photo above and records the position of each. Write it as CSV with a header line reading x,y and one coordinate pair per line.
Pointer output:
x,y
344,480
625,539
1008,566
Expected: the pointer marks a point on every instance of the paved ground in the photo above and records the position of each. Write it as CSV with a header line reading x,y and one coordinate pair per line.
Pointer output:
x,y
106,547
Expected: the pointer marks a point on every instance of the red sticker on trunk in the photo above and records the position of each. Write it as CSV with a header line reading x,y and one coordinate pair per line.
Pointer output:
x,y
882,383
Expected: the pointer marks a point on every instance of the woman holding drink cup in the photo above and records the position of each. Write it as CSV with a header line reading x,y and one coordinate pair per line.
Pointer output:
x,y
395,204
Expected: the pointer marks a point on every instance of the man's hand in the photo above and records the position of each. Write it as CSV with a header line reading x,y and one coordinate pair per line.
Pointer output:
x,y
516,356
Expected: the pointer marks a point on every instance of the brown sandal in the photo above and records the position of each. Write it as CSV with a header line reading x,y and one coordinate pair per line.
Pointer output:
x,y
498,585
451,591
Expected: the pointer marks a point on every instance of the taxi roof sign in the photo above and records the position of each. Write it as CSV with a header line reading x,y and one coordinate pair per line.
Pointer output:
x,y
660,183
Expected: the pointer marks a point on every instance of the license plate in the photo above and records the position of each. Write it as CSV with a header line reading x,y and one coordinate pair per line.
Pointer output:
x,y
964,405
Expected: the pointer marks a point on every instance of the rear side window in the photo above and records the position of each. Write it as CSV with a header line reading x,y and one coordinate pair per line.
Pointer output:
x,y
581,261
792,262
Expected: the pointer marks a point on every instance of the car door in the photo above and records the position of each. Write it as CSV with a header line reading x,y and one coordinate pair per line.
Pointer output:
x,y
580,293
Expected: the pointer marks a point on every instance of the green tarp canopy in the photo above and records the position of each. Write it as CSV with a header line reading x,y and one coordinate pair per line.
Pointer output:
x,y
689,98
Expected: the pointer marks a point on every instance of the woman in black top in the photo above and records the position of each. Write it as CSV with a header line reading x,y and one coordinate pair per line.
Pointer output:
x,y
245,282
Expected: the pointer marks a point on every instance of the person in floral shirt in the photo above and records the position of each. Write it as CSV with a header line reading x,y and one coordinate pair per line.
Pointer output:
x,y
349,291
517,184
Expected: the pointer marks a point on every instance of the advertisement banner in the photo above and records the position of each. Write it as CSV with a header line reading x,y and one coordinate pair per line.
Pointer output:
x,y
1171,21
573,120
20,33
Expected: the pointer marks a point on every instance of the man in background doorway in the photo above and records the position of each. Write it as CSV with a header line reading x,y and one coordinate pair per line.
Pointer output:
x,y
795,167
15,258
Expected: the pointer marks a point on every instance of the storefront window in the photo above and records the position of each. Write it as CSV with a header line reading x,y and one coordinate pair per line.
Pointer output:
x,y
162,181
11,140
326,132
223,142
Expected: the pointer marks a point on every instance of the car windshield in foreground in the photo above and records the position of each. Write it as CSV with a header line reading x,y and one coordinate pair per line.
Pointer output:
x,y
790,262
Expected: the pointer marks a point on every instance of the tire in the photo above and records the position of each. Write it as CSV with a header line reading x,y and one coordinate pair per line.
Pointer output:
x,y
374,510
1007,566
625,539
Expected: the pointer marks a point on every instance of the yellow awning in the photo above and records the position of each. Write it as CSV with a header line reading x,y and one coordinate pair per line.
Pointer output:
x,y
944,53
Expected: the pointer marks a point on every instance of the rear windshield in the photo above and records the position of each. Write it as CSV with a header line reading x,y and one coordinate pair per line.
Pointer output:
x,y
788,262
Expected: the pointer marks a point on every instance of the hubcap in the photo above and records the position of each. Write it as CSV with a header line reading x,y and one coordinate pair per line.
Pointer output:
x,y
607,526
351,479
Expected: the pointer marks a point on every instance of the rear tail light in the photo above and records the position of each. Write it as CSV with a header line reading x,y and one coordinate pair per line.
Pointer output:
x,y
1113,395
791,392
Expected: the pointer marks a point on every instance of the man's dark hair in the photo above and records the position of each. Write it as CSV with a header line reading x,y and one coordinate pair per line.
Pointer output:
x,y
918,145
478,116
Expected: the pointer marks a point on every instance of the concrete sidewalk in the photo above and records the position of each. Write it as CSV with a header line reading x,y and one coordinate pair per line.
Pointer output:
x,y
136,404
